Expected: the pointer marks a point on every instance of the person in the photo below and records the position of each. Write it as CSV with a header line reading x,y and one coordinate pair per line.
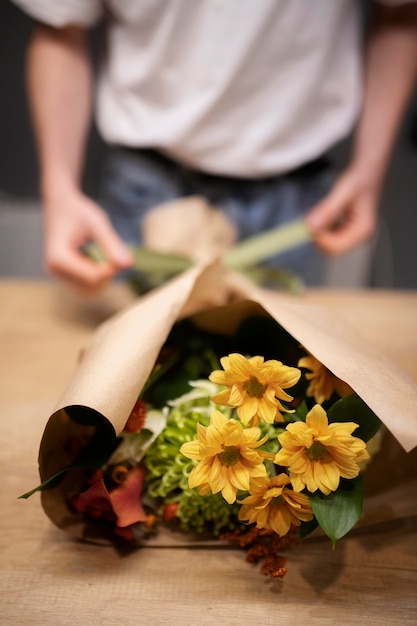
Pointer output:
x,y
239,102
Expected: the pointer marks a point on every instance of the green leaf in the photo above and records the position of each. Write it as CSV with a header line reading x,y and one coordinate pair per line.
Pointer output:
x,y
353,409
338,512
299,414
272,277
150,268
52,482
146,260
253,250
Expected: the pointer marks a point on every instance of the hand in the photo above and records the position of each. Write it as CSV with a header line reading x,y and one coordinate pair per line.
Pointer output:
x,y
347,216
71,220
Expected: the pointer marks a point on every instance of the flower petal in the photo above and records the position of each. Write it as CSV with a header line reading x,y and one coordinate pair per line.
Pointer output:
x,y
126,499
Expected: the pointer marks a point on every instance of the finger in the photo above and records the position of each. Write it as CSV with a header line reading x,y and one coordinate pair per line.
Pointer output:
x,y
354,231
329,214
115,250
80,271
334,244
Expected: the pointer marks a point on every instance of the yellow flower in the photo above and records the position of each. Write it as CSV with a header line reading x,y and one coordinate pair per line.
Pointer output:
x,y
318,454
322,382
227,455
254,387
272,505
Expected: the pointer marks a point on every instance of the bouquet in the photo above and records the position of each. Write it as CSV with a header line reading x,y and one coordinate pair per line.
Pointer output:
x,y
212,409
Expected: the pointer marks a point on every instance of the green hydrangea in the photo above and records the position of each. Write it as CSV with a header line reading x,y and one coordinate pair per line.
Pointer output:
x,y
167,468
207,513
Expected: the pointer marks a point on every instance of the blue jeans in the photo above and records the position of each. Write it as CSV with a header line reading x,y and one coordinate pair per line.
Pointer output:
x,y
137,180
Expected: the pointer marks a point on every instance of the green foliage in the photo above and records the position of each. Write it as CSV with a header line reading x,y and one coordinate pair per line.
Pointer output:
x,y
210,513
152,268
189,354
338,512
353,409
306,528
167,469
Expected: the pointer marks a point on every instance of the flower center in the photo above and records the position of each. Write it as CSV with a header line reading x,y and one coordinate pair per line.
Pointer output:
x,y
317,451
254,388
230,456
119,474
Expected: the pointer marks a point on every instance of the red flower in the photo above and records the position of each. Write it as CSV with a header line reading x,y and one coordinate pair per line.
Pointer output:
x,y
137,418
125,499
170,511
122,504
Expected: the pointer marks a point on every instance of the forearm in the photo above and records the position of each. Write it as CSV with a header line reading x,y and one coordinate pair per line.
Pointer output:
x,y
390,75
347,216
59,85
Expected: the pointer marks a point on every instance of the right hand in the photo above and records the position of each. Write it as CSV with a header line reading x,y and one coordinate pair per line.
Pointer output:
x,y
347,216
71,220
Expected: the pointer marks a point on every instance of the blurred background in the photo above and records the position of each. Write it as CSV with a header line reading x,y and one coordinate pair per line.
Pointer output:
x,y
390,261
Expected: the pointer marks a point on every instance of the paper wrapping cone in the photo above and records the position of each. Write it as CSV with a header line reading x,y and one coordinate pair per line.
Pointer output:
x,y
123,350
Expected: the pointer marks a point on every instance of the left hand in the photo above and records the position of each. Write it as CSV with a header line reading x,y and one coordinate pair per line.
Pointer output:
x,y
347,216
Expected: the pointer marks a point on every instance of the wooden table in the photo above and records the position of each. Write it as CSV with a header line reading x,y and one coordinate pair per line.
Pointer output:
x,y
46,578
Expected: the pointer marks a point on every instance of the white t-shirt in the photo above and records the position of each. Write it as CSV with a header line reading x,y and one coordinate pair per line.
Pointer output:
x,y
234,87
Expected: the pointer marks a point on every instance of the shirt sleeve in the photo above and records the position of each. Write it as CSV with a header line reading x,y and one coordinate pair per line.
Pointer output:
x,y
61,13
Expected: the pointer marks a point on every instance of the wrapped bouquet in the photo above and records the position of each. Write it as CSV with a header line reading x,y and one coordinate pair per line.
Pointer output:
x,y
213,410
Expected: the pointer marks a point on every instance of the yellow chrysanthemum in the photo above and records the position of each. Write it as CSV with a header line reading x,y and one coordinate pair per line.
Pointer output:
x,y
228,457
254,386
318,454
272,505
322,382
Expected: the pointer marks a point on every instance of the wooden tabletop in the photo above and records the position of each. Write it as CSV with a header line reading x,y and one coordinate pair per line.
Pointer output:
x,y
47,578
